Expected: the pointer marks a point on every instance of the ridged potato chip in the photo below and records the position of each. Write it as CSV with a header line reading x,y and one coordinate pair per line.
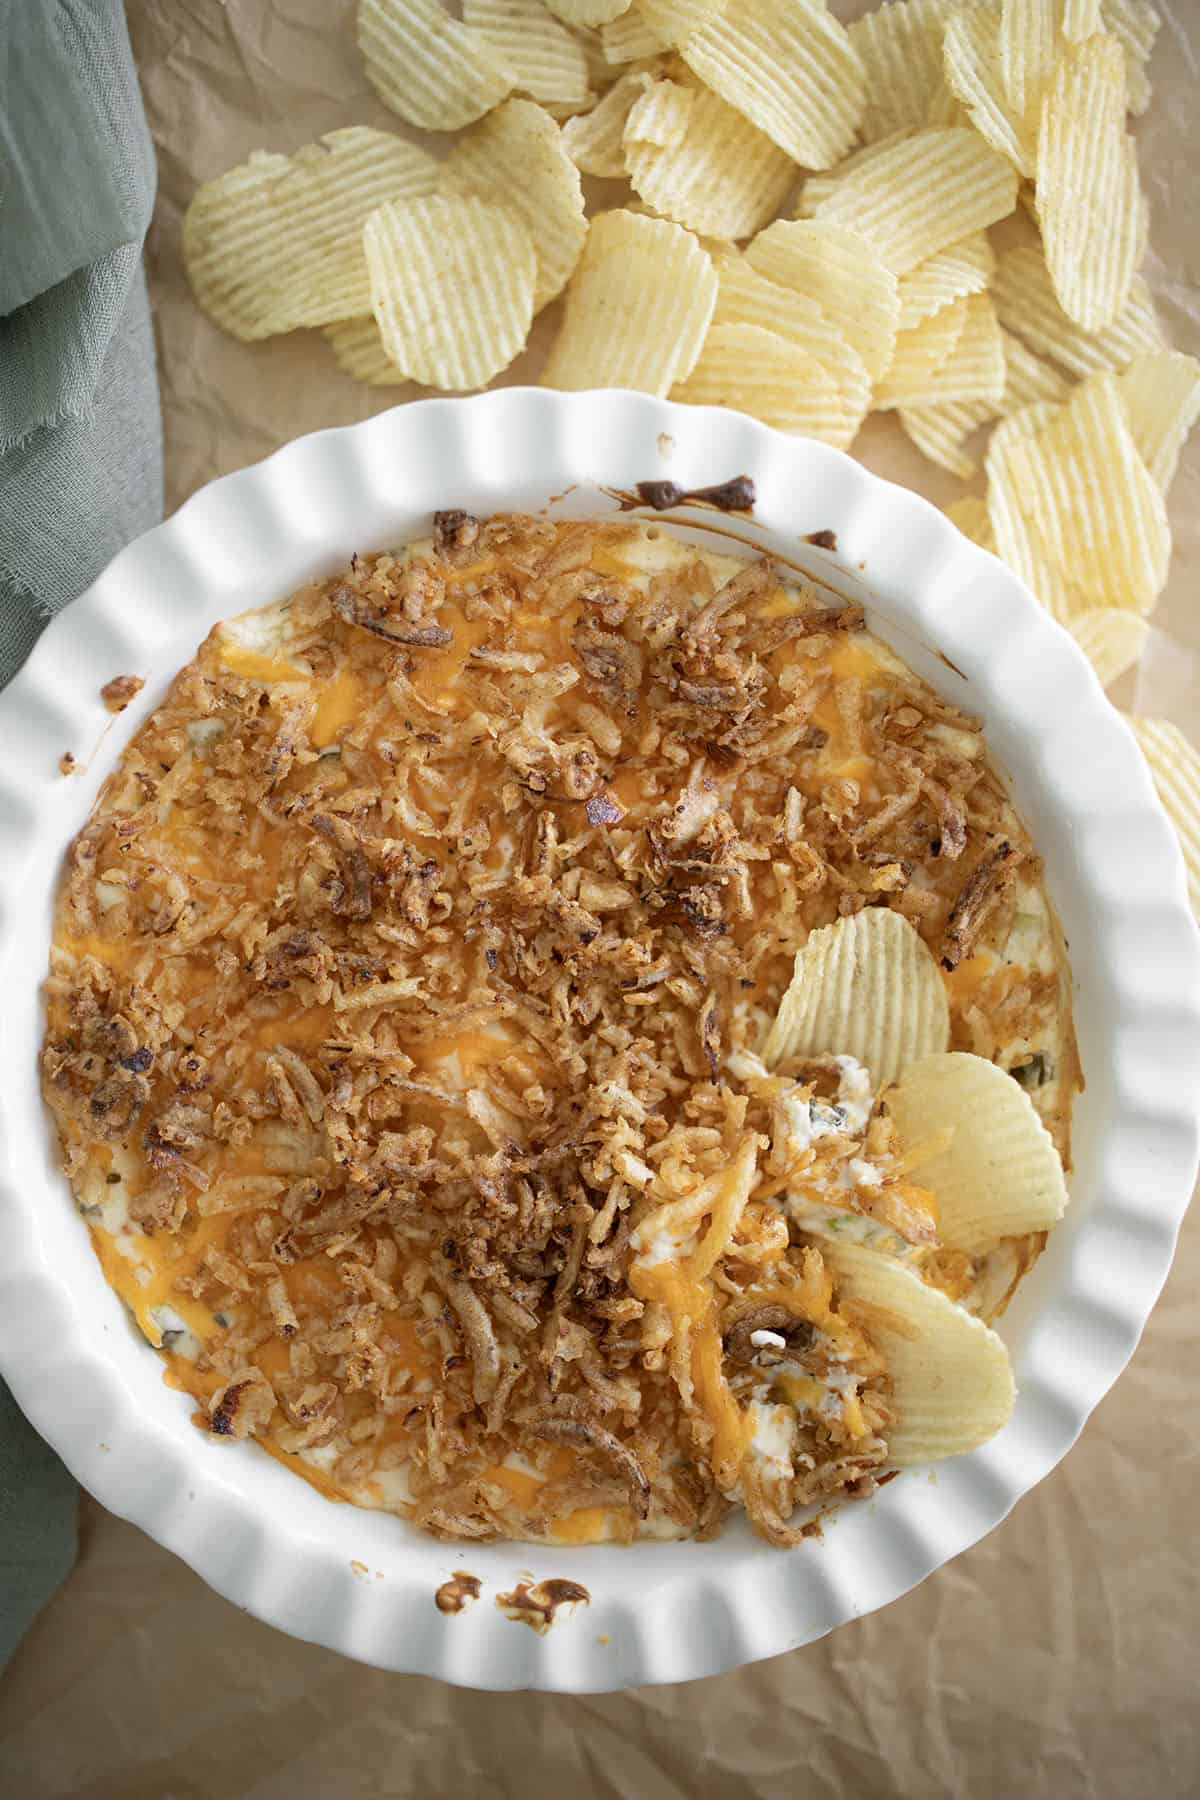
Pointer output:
x,y
629,38
587,12
516,158
275,243
673,21
788,65
543,57
1090,204
975,371
637,308
452,283
971,516
945,107
1134,24
866,987
955,355
595,140
971,55
771,377
918,356
1161,395
964,268
601,73
747,297
744,297
725,179
1028,47
926,192
1027,377
842,273
900,48
1025,301
430,68
230,233
1091,500
940,432
818,188
1111,640
1024,423
1175,766
952,1382
1000,1175
1080,18
1017,541
358,349
660,115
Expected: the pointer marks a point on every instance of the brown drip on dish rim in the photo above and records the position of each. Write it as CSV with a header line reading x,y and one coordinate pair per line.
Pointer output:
x,y
536,1604
735,495
455,1595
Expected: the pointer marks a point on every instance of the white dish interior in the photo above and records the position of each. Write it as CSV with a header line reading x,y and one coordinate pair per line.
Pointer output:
x,y
362,1582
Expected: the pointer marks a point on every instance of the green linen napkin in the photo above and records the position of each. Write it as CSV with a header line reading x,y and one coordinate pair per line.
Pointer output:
x,y
80,469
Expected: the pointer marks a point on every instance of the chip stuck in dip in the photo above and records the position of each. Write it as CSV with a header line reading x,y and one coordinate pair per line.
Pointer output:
x,y
560,1035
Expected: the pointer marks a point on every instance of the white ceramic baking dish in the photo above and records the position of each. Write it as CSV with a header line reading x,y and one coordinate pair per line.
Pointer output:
x,y
364,1582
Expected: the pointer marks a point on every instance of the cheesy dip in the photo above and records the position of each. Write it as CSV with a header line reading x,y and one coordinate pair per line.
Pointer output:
x,y
409,1032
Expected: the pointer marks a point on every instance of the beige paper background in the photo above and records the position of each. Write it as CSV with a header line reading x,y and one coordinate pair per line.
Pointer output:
x,y
1058,1658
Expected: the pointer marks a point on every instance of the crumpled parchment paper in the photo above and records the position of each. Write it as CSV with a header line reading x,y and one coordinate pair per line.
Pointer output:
x,y
1056,1660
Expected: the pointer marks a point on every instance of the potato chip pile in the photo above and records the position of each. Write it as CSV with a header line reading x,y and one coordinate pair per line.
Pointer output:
x,y
890,147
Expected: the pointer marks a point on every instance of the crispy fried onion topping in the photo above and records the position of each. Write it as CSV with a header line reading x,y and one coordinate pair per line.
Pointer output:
x,y
399,982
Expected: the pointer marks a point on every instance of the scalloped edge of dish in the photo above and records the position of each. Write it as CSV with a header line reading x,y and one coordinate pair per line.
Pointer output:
x,y
363,1583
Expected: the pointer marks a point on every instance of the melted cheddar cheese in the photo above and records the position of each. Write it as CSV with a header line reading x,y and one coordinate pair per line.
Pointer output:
x,y
328,718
